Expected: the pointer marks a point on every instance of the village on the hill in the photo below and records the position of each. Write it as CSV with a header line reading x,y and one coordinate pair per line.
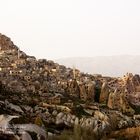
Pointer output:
x,y
60,99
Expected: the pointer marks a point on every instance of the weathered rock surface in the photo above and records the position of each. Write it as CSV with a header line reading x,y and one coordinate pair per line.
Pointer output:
x,y
44,92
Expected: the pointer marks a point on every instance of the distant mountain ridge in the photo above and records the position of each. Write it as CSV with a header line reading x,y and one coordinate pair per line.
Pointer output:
x,y
105,65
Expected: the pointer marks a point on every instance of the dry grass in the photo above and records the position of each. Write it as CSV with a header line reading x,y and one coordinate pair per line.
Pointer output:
x,y
127,134
82,134
77,134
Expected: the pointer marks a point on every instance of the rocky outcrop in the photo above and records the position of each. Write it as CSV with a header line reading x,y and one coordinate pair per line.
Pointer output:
x,y
44,92
104,93
87,90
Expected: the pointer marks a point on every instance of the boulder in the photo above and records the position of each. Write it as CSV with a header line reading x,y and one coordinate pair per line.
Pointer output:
x,y
104,95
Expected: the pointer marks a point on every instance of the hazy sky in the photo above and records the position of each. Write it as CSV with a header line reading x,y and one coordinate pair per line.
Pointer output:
x,y
53,29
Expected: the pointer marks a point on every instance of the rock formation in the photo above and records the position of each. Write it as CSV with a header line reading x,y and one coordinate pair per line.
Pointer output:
x,y
62,97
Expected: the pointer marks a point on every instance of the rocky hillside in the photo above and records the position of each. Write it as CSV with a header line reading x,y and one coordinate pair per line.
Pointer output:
x,y
59,98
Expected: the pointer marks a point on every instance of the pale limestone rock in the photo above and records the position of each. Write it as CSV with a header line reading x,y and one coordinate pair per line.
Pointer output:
x,y
104,93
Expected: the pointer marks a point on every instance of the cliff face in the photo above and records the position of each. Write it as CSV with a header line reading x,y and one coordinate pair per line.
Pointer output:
x,y
61,95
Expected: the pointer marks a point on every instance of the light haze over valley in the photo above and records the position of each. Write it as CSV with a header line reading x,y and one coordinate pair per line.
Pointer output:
x,y
105,65
77,28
